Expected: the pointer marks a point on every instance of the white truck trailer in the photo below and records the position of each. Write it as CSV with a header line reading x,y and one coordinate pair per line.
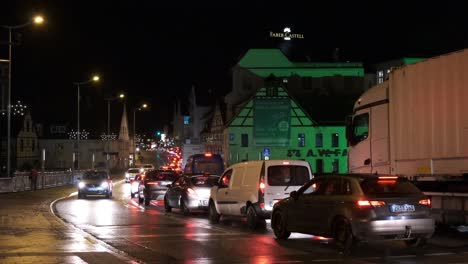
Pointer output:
x,y
415,124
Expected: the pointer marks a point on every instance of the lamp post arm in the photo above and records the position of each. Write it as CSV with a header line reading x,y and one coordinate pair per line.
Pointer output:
x,y
17,26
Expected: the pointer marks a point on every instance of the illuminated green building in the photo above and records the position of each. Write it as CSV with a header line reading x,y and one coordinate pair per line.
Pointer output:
x,y
273,126
290,110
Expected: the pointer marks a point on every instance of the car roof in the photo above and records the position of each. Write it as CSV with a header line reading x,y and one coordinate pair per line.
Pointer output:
x,y
360,176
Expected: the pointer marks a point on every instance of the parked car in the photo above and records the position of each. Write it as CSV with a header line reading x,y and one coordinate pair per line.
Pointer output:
x,y
95,182
190,193
134,184
252,188
351,208
153,185
131,173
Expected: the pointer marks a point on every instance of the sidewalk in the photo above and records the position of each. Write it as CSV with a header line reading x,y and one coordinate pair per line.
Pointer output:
x,y
30,233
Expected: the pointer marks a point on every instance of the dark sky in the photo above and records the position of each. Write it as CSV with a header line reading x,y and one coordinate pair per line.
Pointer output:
x,y
155,52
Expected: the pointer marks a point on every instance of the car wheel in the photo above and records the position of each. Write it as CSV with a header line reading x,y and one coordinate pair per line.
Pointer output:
x,y
279,228
416,242
253,220
140,199
147,201
167,208
342,235
183,208
213,214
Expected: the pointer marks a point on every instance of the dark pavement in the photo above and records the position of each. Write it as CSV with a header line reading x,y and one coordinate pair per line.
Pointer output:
x,y
31,233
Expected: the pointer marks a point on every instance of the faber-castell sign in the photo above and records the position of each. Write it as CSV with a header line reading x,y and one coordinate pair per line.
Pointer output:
x,y
286,34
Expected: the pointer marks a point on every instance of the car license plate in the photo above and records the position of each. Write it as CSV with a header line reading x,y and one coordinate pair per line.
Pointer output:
x,y
401,208
204,202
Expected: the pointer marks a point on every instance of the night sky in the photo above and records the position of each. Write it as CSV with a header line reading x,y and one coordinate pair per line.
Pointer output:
x,y
155,52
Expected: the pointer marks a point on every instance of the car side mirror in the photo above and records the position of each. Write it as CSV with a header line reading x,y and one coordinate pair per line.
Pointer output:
x,y
294,195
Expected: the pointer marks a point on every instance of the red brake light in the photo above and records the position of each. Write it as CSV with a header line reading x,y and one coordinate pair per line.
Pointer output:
x,y
190,191
388,177
386,181
426,202
367,204
152,183
208,154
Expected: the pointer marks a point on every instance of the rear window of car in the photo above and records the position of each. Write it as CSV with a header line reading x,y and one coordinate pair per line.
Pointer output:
x,y
285,175
203,181
93,175
161,176
149,166
134,171
388,187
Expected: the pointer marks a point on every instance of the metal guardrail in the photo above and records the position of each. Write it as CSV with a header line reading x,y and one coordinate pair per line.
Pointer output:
x,y
449,208
21,181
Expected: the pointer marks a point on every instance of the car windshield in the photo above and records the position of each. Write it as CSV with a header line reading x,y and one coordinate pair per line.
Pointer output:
x,y
133,170
388,187
287,175
94,175
148,166
204,181
161,176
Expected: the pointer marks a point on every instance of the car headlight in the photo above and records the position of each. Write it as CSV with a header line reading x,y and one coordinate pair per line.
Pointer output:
x,y
104,185
127,175
81,185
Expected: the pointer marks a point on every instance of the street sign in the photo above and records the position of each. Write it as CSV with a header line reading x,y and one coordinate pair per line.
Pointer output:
x,y
266,152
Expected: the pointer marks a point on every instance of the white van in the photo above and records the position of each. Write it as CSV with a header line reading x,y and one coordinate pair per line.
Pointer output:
x,y
252,188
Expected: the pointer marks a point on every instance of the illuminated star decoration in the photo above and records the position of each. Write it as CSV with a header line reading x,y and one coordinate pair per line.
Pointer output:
x,y
74,135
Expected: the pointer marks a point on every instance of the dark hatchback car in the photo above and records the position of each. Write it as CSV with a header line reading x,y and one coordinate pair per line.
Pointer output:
x,y
153,185
351,208
190,193
95,182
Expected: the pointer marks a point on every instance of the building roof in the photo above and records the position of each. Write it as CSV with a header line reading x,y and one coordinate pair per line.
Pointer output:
x,y
264,62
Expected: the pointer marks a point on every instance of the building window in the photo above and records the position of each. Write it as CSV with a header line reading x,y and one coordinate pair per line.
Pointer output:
x,y
272,91
319,140
319,166
245,140
186,120
301,140
33,145
231,138
380,77
335,165
334,140
21,145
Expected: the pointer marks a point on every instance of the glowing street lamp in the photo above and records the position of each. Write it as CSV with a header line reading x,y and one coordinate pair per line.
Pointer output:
x,y
95,78
109,100
141,108
35,20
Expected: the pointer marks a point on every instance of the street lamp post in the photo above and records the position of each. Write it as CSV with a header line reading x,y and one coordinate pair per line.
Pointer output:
x,y
109,100
36,20
143,106
94,79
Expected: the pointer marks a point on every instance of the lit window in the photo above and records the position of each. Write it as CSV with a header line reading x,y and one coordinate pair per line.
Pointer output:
x,y
186,120
301,140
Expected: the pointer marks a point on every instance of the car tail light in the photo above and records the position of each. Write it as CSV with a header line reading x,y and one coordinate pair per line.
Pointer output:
x,y
262,187
152,183
368,204
262,205
208,154
190,191
426,202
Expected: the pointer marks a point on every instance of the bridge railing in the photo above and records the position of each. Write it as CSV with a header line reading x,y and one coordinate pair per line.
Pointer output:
x,y
47,179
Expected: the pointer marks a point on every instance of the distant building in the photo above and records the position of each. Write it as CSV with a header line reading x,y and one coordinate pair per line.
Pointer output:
x,y
272,125
212,135
382,70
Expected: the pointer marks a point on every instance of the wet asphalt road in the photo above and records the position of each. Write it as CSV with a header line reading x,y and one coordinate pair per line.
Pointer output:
x,y
120,231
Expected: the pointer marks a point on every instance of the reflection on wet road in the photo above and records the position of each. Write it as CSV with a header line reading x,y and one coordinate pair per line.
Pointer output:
x,y
153,236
